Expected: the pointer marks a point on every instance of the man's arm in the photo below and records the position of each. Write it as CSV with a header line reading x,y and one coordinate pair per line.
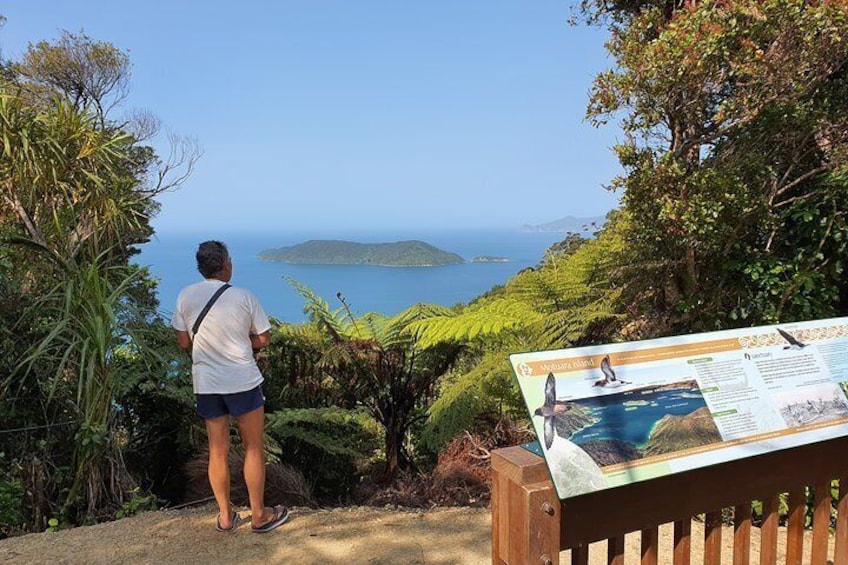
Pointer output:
x,y
183,339
261,340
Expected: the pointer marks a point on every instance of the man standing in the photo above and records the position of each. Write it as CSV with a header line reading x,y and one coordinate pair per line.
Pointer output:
x,y
227,381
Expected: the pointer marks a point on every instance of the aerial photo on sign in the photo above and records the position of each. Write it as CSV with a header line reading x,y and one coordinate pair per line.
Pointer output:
x,y
616,414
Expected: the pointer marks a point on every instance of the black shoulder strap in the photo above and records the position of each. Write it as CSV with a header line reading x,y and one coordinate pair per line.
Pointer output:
x,y
206,308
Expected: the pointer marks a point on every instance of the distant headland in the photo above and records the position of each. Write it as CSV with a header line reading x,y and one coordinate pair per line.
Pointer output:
x,y
336,252
582,226
489,259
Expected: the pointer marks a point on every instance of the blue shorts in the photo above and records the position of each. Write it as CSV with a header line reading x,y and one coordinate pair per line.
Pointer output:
x,y
235,404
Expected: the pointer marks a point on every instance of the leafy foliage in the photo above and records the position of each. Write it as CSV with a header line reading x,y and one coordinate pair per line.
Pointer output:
x,y
137,503
338,432
85,346
330,445
76,194
573,298
11,507
481,385
91,73
734,157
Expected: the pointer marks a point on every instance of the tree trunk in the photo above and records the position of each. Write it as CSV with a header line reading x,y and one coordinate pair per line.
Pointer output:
x,y
690,285
394,448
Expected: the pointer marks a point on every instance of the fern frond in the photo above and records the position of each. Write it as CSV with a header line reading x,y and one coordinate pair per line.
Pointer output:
x,y
331,416
563,328
463,397
490,319
393,331
318,311
373,326
300,333
329,429
420,311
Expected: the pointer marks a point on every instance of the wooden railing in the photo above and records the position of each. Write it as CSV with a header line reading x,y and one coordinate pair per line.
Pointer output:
x,y
531,526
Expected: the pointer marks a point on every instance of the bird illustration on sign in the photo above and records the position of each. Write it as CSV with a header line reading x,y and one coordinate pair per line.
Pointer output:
x,y
551,409
793,343
609,380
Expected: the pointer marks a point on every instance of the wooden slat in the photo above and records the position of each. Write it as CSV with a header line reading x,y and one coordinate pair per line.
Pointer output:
x,y
768,531
650,546
795,528
615,551
682,542
840,553
544,514
742,534
497,519
685,494
518,533
580,555
821,523
712,538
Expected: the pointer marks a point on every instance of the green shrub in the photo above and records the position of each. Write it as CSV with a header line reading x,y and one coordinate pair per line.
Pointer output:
x,y
137,503
11,506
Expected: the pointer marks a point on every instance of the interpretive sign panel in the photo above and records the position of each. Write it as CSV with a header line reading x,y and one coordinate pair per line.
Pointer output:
x,y
620,413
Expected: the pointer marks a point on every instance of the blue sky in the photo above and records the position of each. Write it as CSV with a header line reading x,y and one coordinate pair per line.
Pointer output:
x,y
330,115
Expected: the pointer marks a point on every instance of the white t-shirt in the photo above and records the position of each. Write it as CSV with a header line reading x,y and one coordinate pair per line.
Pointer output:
x,y
222,358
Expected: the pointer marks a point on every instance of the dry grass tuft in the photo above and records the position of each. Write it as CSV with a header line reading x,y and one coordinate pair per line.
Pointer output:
x,y
283,483
461,476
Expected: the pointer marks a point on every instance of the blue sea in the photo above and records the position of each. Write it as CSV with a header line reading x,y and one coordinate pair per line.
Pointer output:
x,y
632,415
388,290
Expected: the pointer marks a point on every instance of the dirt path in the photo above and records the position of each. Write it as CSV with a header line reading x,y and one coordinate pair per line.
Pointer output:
x,y
343,535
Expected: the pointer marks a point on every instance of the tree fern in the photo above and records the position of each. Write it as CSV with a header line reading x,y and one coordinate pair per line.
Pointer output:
x,y
378,365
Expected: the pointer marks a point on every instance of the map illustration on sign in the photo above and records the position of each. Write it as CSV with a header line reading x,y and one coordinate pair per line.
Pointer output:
x,y
611,415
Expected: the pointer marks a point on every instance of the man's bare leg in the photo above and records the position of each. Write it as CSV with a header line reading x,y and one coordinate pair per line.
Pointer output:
x,y
218,430
252,429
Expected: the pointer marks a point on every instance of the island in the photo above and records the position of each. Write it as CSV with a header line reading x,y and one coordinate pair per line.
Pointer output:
x,y
411,253
489,259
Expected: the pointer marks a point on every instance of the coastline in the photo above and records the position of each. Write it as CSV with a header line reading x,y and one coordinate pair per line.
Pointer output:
x,y
385,290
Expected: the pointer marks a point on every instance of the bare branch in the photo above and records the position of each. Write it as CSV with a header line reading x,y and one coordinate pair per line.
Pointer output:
x,y
142,124
184,154
789,186
30,226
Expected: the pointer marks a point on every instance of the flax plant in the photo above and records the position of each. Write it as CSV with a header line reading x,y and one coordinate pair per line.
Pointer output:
x,y
88,306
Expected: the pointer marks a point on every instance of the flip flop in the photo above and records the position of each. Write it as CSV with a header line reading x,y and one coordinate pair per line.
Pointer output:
x,y
232,528
281,514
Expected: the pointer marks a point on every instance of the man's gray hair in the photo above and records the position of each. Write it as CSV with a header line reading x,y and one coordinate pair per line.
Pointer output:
x,y
211,258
